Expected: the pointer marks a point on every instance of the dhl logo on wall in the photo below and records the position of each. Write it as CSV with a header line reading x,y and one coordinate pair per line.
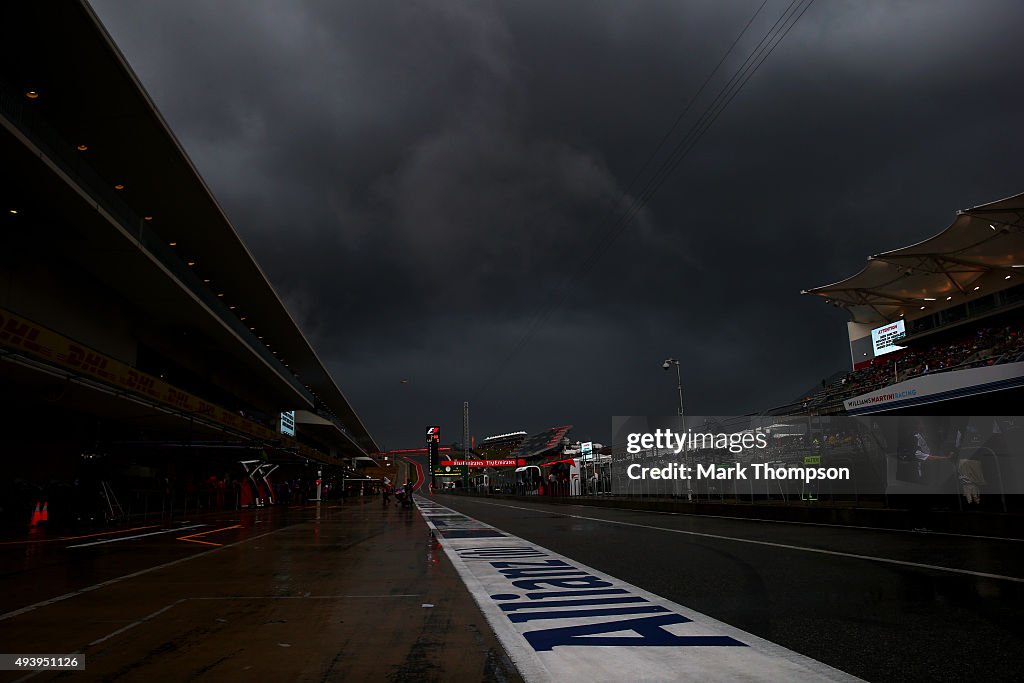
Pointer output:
x,y
18,333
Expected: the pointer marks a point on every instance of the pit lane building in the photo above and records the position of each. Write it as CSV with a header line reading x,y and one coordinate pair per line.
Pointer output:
x,y
135,325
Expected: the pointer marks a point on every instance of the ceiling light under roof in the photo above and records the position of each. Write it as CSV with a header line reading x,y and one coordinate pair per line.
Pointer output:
x,y
13,211
949,298
977,288
119,186
929,298
147,218
173,244
191,263
1007,277
82,148
32,95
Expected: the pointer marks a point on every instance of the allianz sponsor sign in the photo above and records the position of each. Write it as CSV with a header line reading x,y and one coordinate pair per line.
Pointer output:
x,y
941,386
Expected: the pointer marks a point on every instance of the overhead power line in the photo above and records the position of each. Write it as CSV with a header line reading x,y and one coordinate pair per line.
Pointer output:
x,y
772,38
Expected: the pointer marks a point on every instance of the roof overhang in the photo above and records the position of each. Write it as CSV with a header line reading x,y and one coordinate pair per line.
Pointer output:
x,y
979,253
90,94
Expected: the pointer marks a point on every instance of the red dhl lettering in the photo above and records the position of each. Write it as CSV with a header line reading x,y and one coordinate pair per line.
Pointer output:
x,y
86,360
19,333
177,398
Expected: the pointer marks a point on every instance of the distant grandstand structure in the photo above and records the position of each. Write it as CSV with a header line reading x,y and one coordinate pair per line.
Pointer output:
x,y
501,444
543,443
935,326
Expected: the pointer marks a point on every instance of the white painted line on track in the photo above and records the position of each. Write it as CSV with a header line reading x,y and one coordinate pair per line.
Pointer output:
x,y
788,521
560,620
177,602
137,622
128,538
821,551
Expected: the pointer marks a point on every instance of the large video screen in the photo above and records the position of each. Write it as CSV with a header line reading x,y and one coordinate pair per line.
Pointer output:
x,y
883,339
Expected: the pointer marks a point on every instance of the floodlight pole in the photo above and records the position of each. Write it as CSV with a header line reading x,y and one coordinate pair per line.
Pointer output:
x,y
682,420
679,382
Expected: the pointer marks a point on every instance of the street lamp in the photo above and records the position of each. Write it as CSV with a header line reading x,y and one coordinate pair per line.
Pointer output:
x,y
669,362
679,380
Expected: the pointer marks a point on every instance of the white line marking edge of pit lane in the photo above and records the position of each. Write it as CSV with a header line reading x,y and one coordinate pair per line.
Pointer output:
x,y
128,538
108,582
837,553
534,670
524,659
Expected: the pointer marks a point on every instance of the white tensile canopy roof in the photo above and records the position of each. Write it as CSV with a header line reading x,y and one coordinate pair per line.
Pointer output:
x,y
979,249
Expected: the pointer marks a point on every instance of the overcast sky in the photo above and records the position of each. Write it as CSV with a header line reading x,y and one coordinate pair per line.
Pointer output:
x,y
426,182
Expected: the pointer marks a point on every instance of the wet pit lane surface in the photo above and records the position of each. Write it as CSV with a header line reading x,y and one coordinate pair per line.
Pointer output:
x,y
362,593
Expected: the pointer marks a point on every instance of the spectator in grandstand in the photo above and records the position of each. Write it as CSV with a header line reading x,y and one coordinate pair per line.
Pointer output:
x,y
987,346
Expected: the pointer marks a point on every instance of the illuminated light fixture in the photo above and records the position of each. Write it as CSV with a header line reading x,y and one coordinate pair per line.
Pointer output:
x,y
231,308
928,298
206,280
82,148
1017,266
191,263
259,337
242,318
173,244
119,186
949,298
991,226
14,212
977,288
220,293
1007,277
901,315
252,329
923,307
147,218
32,95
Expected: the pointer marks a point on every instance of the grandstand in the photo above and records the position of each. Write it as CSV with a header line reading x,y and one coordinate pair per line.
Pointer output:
x,y
501,445
543,443
935,326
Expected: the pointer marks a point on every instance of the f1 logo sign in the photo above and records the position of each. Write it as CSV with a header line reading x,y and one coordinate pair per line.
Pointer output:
x,y
433,433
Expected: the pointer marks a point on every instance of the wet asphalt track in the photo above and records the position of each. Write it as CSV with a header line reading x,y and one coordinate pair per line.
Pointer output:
x,y
879,620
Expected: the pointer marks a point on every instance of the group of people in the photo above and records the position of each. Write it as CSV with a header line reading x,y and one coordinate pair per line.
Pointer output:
x,y
403,494
986,346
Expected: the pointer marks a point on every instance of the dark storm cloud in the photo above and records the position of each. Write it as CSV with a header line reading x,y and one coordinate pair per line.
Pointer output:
x,y
420,180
